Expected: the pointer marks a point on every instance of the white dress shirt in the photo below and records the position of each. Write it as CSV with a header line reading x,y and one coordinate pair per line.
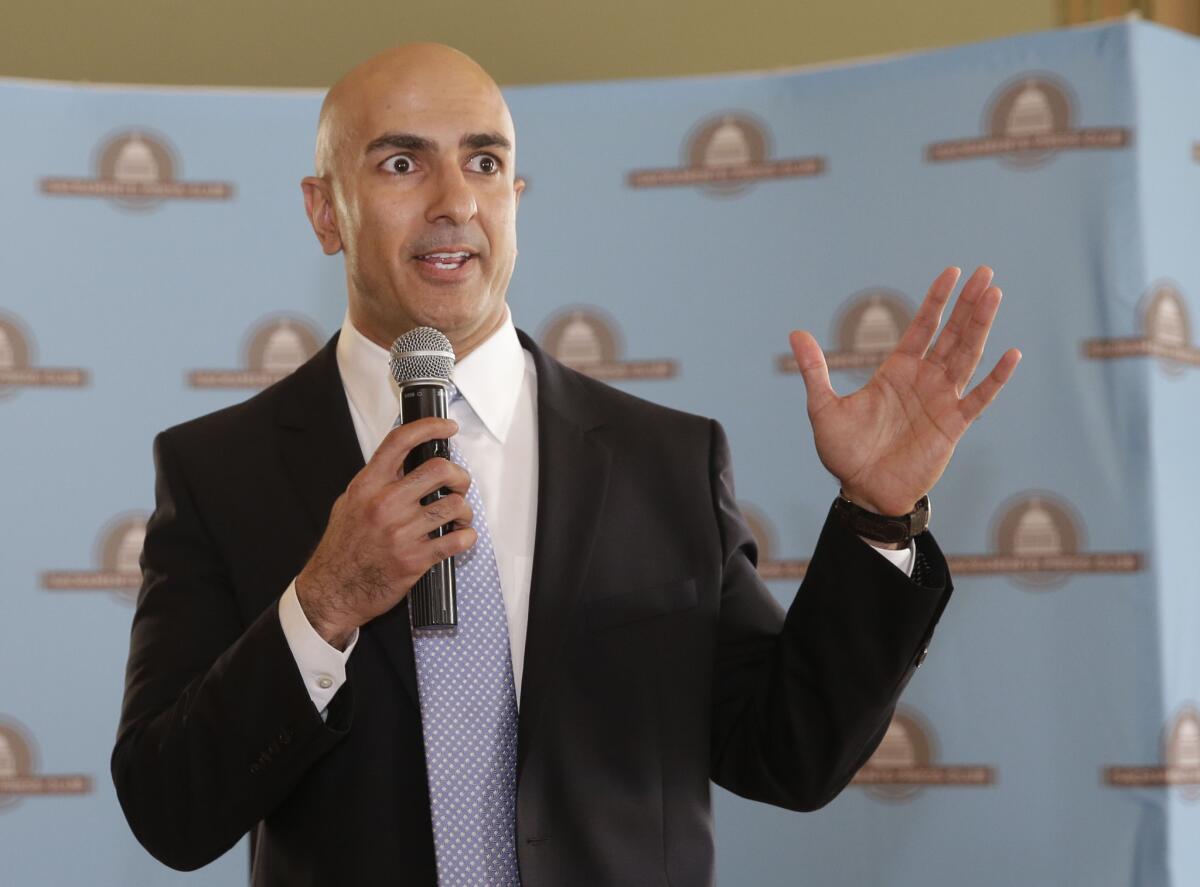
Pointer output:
x,y
497,435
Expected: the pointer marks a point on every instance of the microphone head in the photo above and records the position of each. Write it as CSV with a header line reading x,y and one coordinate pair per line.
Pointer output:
x,y
422,353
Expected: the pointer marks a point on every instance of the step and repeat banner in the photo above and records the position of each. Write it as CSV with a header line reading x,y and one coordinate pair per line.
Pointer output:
x,y
158,265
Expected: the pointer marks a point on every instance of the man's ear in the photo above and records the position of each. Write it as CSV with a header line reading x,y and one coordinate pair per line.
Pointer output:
x,y
518,187
318,203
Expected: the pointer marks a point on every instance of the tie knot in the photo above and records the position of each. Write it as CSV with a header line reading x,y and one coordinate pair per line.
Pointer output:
x,y
453,393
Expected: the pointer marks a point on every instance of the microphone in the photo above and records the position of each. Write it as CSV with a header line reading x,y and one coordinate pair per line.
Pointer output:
x,y
422,360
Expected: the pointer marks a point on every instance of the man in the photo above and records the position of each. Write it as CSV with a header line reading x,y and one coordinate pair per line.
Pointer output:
x,y
274,683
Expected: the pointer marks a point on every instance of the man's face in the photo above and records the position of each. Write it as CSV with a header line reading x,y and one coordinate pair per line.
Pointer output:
x,y
425,202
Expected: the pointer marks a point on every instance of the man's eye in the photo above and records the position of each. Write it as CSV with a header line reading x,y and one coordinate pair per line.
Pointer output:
x,y
485,163
398,163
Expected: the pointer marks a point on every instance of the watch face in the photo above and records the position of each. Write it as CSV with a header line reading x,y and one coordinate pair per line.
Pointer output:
x,y
920,517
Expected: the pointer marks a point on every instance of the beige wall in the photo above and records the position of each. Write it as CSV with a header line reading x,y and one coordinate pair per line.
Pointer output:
x,y
310,42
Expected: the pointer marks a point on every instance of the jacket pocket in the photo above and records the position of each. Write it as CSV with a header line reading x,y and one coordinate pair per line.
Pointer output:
x,y
641,604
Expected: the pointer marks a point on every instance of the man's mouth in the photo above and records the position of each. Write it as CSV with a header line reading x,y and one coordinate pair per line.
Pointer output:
x,y
446,261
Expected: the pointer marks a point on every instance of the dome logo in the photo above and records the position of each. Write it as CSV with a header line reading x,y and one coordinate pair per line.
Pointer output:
x,y
725,154
18,769
1029,121
1166,333
118,550
1038,540
1181,757
867,329
587,341
138,170
906,762
17,365
274,348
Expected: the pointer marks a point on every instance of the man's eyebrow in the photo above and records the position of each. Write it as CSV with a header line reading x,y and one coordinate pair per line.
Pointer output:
x,y
478,140
405,141
401,140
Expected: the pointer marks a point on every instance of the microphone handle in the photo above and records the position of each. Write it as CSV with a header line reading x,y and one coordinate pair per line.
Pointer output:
x,y
433,601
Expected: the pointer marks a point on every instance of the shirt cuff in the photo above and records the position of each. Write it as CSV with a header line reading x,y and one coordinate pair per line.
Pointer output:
x,y
903,558
322,666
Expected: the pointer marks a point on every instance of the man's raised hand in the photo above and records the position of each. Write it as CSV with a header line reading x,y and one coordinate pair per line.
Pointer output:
x,y
890,441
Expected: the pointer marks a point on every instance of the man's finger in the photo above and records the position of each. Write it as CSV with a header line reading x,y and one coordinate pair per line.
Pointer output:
x,y
962,362
811,360
920,332
973,405
436,549
415,559
431,476
453,511
388,460
960,317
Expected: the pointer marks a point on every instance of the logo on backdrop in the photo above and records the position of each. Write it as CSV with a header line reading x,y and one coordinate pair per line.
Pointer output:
x,y
867,329
906,762
1196,152
587,341
138,170
274,348
1181,756
118,548
1166,333
1028,122
725,154
769,567
1038,540
18,769
17,368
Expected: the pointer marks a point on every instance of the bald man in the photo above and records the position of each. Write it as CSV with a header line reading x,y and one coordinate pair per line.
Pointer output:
x,y
617,651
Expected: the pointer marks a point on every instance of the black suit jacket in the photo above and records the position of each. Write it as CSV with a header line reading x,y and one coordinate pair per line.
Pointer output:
x,y
656,659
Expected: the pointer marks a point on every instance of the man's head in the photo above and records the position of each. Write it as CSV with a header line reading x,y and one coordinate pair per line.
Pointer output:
x,y
415,168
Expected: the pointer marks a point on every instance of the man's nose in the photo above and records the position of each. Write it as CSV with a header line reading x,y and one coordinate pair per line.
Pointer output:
x,y
453,199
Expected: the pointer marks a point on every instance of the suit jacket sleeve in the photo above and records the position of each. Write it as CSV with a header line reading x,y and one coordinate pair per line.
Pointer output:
x,y
216,726
798,710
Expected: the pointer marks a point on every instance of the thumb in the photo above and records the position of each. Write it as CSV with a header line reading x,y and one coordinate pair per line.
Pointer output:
x,y
811,360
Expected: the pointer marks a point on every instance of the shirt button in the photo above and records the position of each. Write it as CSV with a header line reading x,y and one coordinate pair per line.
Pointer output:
x,y
324,682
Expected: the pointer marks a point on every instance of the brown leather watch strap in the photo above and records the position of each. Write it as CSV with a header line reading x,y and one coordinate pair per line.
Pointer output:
x,y
882,528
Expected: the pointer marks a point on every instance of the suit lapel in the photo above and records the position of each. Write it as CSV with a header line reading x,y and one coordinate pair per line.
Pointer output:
x,y
573,472
321,454
319,447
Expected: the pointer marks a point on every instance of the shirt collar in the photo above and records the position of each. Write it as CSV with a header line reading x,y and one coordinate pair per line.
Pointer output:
x,y
489,378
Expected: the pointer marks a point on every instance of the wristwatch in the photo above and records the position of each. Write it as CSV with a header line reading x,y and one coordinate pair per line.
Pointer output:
x,y
880,528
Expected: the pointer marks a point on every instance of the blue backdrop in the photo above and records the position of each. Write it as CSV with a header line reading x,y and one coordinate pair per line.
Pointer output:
x,y
158,265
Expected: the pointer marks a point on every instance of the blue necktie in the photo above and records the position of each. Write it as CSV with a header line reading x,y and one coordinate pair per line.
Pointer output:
x,y
469,718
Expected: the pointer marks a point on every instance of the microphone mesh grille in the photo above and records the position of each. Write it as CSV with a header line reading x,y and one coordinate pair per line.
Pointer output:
x,y
422,353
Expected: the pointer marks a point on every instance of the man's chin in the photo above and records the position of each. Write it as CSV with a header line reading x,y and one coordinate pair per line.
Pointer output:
x,y
460,320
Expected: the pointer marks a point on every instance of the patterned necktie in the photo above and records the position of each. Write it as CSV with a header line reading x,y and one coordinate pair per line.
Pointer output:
x,y
469,718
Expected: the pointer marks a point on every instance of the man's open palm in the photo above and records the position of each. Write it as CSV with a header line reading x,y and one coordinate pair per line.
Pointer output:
x,y
890,441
